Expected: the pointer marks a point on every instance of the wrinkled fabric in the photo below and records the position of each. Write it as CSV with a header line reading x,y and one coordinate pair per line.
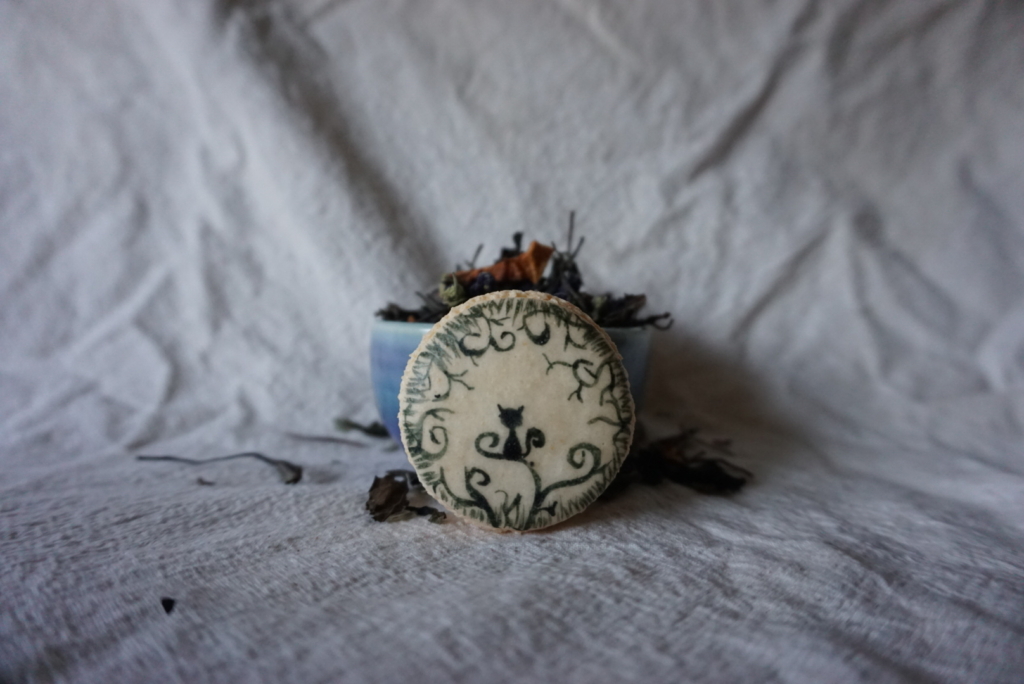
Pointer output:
x,y
202,204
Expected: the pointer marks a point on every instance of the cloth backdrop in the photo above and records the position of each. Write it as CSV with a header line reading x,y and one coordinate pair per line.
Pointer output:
x,y
203,203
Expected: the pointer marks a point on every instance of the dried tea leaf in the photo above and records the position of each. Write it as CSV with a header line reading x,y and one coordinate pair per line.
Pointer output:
x,y
507,252
437,517
393,312
708,475
288,472
327,439
387,497
451,291
401,516
374,429
682,459
430,513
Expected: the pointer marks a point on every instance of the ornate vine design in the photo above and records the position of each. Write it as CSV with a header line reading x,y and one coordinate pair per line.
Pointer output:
x,y
541,338
580,367
437,433
452,378
569,341
512,513
469,342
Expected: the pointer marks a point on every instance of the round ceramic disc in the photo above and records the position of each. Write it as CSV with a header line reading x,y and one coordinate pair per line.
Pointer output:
x,y
515,410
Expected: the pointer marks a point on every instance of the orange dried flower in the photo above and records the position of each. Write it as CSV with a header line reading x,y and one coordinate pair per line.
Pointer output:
x,y
529,265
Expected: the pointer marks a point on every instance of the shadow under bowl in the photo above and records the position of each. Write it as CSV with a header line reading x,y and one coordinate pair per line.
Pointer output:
x,y
393,342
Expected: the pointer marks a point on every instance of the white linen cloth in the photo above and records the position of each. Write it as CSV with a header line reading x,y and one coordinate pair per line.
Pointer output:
x,y
203,203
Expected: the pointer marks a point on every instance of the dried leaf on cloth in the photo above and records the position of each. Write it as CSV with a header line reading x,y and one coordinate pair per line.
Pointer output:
x,y
388,499
684,459
289,472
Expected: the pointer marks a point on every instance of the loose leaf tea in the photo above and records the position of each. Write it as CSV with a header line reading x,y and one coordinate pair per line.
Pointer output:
x,y
388,499
327,439
682,459
288,472
374,429
523,270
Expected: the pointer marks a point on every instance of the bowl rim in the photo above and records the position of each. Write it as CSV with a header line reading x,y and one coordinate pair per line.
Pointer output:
x,y
411,325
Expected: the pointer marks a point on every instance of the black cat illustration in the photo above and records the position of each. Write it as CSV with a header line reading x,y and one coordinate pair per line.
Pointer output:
x,y
512,450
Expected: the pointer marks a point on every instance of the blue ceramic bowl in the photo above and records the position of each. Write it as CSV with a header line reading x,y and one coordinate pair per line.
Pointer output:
x,y
393,342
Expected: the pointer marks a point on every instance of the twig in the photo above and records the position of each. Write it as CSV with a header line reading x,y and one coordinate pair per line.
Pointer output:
x,y
289,472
